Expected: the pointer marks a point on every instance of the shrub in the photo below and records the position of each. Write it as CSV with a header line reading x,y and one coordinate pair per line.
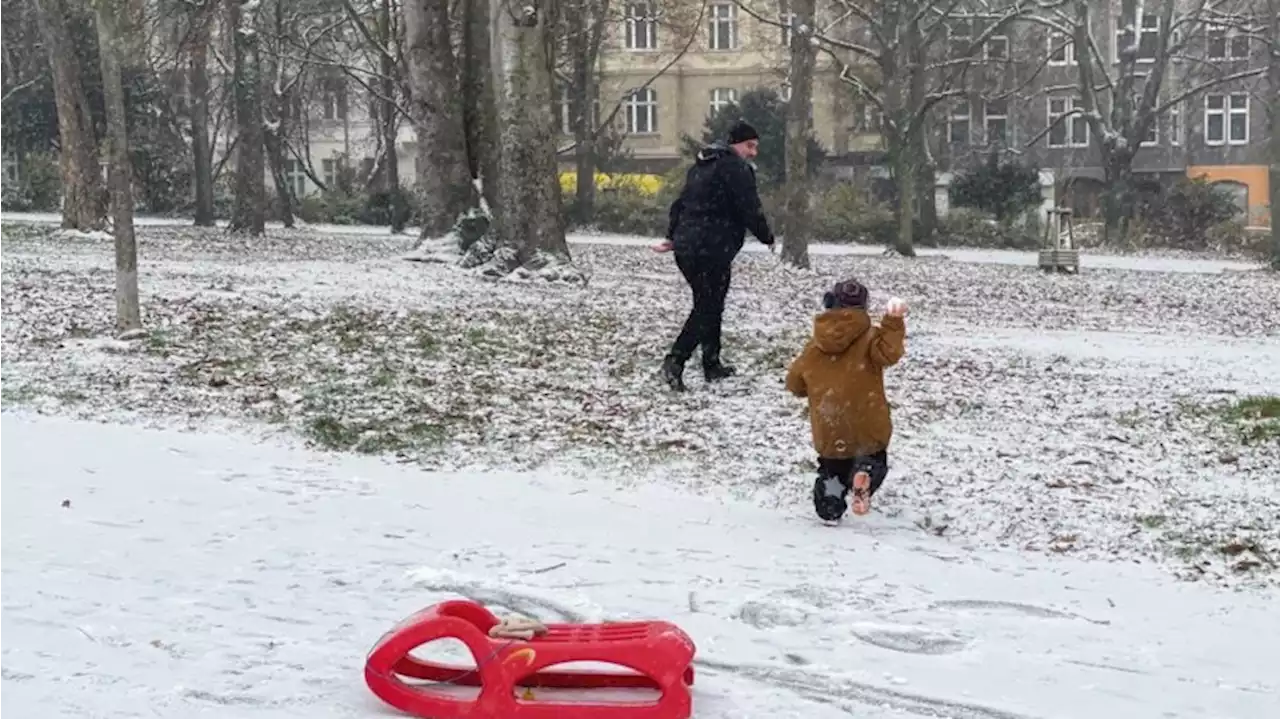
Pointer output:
x,y
846,212
39,186
1182,216
1003,189
965,226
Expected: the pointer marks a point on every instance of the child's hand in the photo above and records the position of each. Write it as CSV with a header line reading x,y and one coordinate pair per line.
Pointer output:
x,y
664,246
896,307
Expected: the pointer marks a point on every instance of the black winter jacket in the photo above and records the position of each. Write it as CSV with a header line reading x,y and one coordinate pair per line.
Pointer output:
x,y
718,205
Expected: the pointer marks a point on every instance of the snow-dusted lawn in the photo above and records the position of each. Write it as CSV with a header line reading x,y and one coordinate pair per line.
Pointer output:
x,y
156,573
1052,414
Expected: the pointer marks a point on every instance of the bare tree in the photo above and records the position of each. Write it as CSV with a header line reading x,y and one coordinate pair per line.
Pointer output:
x,y
1122,97
479,103
110,50
248,213
903,58
81,177
530,236
668,26
198,70
795,241
444,178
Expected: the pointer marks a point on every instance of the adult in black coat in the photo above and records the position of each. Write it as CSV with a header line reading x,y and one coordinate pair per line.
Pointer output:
x,y
708,225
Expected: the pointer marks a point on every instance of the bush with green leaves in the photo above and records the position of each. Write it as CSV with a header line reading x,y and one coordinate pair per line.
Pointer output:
x,y
1003,189
1183,215
766,111
39,185
970,227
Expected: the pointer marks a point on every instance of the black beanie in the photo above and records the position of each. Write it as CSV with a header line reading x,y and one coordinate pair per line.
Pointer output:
x,y
849,293
741,132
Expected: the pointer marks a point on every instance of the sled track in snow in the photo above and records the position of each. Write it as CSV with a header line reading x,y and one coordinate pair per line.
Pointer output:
x,y
851,696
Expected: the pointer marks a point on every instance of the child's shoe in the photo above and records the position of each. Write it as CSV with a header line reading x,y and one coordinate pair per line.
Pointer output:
x,y
861,492
828,497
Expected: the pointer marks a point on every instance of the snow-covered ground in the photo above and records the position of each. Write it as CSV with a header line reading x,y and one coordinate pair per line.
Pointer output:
x,y
1149,262
1093,416
158,573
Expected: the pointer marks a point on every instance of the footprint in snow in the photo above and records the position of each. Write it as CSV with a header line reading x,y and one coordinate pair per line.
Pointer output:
x,y
910,640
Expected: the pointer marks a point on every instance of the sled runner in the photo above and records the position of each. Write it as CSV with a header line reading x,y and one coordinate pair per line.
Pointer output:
x,y
509,655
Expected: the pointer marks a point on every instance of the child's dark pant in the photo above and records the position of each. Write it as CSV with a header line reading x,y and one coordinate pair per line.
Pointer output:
x,y
876,465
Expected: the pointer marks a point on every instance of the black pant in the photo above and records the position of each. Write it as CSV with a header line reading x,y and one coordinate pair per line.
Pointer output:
x,y
708,277
876,465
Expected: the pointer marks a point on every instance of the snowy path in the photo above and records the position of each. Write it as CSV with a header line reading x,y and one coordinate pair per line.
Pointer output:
x,y
207,575
1089,259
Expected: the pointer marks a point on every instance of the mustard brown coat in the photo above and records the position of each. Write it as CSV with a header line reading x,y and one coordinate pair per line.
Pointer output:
x,y
841,372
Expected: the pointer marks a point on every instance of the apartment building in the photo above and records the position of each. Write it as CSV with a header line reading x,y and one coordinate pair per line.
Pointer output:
x,y
1027,81
710,58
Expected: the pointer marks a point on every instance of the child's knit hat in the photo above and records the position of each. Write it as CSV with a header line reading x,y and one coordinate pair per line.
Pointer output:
x,y
849,293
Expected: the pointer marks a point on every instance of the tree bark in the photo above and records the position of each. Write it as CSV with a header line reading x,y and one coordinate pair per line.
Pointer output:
x,y
249,210
276,119
202,153
128,314
1273,79
443,174
81,174
530,234
795,242
584,34
388,125
479,111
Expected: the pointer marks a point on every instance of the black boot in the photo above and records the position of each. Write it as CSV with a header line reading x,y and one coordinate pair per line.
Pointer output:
x,y
829,492
673,373
716,372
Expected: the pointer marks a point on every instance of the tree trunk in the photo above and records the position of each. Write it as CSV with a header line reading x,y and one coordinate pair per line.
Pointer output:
x,y
444,178
276,120
1273,77
480,115
389,113
274,146
128,315
926,186
904,171
795,243
249,210
582,37
530,232
202,153
81,174
1118,202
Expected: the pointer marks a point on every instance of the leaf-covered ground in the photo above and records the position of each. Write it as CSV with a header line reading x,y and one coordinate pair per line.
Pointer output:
x,y
1118,414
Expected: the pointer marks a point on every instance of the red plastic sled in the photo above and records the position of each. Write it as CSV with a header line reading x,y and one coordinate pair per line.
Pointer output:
x,y
658,651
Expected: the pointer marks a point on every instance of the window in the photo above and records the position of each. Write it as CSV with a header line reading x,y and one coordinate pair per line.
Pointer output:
x,y
1072,131
1226,119
642,112
1227,44
959,38
867,118
641,26
724,27
335,105
958,124
996,121
296,177
329,169
997,47
1148,26
1175,124
722,97
1062,51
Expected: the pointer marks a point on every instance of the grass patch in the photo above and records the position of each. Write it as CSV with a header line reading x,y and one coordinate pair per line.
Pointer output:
x,y
370,437
1256,420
